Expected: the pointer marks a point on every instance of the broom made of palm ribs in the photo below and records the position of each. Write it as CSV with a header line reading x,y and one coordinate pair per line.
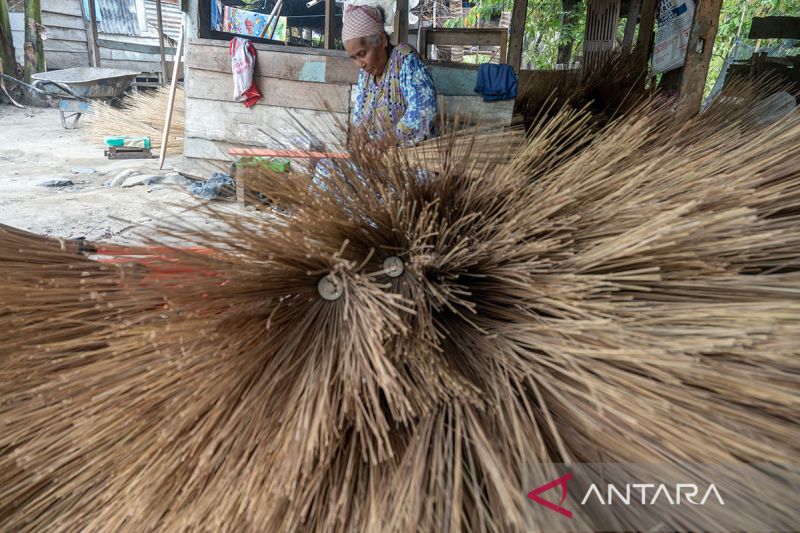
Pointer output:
x,y
620,295
141,115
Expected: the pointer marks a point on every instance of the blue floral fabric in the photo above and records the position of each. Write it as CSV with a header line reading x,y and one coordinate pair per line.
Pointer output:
x,y
402,101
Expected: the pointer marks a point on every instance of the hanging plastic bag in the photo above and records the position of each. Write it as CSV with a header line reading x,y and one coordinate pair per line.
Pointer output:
x,y
243,64
674,25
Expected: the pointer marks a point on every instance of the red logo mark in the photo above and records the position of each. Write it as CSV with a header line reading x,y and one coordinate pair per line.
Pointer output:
x,y
562,481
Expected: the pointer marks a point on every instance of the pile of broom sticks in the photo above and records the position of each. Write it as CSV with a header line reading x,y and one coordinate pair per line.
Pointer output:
x,y
141,114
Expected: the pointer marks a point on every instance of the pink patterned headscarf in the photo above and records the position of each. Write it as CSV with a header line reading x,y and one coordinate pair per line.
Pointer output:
x,y
361,21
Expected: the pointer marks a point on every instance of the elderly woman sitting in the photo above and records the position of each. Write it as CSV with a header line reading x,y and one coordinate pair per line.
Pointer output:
x,y
396,99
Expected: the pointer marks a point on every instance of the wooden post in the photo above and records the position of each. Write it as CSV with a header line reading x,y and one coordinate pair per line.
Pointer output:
x,y
502,53
400,34
630,24
516,34
160,22
647,20
434,50
422,42
330,23
91,32
698,57
34,49
7,54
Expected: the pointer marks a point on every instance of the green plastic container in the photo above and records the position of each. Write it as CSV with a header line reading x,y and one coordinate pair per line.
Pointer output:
x,y
275,164
135,142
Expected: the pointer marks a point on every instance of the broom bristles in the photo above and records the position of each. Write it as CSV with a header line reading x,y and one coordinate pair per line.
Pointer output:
x,y
628,294
141,115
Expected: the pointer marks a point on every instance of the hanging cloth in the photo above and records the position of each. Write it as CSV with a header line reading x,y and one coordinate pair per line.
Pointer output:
x,y
496,82
243,64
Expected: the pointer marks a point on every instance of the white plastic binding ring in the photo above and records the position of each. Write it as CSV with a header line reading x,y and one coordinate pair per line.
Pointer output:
x,y
330,288
393,266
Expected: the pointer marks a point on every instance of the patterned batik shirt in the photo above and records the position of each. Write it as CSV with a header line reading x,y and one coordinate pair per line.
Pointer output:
x,y
403,100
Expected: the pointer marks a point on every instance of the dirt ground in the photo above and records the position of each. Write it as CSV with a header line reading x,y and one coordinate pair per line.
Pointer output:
x,y
34,149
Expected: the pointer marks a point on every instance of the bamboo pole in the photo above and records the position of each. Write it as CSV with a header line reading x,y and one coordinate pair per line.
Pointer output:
x,y
34,49
171,100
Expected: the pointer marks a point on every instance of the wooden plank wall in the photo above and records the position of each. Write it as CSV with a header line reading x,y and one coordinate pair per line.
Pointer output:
x,y
455,89
307,94
66,44
132,52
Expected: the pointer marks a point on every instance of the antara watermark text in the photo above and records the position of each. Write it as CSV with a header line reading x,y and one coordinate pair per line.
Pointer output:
x,y
652,494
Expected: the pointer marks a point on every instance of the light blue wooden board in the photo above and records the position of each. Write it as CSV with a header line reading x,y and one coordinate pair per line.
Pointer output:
x,y
454,81
313,71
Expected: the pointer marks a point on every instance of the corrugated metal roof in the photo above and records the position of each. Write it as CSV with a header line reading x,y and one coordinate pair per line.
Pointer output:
x,y
117,17
170,17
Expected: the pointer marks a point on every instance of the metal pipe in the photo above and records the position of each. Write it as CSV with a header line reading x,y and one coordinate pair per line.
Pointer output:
x,y
275,20
272,25
269,20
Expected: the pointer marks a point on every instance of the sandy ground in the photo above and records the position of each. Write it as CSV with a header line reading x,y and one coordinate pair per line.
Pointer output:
x,y
34,148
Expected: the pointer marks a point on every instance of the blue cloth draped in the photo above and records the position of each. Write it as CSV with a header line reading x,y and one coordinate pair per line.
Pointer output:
x,y
496,82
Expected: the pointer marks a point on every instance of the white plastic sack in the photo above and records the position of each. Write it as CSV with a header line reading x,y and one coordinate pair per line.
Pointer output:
x,y
242,66
674,25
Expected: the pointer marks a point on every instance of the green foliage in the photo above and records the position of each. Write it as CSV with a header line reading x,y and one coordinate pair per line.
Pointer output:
x,y
545,29
485,10
482,11
544,32
476,59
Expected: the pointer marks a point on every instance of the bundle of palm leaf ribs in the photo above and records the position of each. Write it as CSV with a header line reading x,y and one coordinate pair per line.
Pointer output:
x,y
392,351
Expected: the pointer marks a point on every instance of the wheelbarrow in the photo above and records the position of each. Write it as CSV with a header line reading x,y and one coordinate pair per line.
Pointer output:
x,y
76,87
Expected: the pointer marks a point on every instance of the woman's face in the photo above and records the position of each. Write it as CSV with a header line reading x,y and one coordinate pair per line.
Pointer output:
x,y
368,54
